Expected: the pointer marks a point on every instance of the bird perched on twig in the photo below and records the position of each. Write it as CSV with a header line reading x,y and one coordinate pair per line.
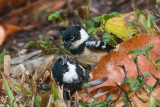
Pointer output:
x,y
87,50
72,76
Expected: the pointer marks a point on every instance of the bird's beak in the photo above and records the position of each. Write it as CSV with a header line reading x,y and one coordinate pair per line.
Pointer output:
x,y
67,45
64,58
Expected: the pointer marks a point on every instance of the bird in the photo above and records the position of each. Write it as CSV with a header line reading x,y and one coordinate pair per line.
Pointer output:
x,y
67,72
72,76
85,48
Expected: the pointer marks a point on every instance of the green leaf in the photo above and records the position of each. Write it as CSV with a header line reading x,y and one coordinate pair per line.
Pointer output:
x,y
55,15
158,103
107,39
36,102
152,102
64,49
147,49
138,12
158,60
139,51
85,86
147,75
97,104
132,24
92,30
153,18
134,82
9,93
55,92
115,14
4,52
122,81
31,43
85,104
109,99
149,24
158,68
150,87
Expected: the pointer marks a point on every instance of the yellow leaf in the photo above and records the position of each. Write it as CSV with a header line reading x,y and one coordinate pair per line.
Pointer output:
x,y
118,25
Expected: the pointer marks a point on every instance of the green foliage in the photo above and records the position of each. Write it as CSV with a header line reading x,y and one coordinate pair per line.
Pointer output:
x,y
55,92
147,49
146,23
37,102
85,86
150,87
85,104
147,74
4,52
138,51
132,24
138,12
107,39
46,45
108,100
97,104
152,102
56,15
157,61
92,30
9,94
100,20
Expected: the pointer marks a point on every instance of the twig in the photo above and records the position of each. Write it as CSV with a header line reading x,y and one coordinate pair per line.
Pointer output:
x,y
138,69
124,70
126,94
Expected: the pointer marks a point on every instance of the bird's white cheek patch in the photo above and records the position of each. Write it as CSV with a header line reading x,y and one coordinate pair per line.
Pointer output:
x,y
84,36
71,75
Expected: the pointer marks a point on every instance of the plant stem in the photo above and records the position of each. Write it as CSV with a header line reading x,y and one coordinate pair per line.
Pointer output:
x,y
111,37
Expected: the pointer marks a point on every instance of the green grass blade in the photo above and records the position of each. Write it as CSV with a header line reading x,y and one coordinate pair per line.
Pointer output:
x,y
9,93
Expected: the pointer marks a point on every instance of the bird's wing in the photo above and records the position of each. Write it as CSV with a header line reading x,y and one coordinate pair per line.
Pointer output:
x,y
98,45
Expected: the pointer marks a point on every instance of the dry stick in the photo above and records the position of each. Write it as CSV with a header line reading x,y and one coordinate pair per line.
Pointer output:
x,y
139,73
124,70
157,82
144,101
126,94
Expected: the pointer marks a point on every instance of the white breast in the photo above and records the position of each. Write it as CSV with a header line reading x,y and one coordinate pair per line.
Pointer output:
x,y
71,75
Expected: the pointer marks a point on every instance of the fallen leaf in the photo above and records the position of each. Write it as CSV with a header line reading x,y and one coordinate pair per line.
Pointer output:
x,y
2,35
108,64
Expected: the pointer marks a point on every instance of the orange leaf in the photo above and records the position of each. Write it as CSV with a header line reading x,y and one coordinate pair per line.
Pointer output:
x,y
108,65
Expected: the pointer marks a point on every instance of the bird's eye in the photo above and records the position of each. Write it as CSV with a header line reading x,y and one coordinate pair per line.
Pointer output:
x,y
72,38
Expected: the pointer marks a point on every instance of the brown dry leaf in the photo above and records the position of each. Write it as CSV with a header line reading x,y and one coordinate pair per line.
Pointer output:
x,y
7,30
108,65
43,68
82,12
2,35
45,99
38,6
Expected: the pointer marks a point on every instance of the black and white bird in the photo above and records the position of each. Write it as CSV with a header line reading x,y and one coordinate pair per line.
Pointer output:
x,y
67,72
83,47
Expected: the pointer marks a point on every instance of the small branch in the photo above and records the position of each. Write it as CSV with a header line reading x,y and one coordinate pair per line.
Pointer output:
x,y
126,94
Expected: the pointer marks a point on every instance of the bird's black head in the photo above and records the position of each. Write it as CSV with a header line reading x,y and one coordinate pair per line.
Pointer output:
x,y
66,70
74,37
